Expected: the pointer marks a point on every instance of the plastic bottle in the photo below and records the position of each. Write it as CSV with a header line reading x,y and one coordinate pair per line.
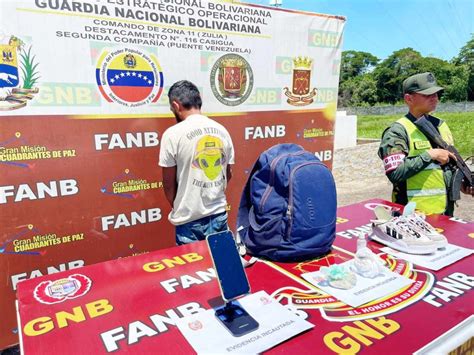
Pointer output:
x,y
361,242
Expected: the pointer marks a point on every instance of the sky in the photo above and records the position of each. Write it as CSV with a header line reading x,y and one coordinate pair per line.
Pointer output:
x,y
435,28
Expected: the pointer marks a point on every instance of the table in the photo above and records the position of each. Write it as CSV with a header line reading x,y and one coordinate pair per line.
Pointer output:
x,y
129,304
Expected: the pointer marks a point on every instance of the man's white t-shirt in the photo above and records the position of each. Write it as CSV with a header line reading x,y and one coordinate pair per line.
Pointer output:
x,y
200,148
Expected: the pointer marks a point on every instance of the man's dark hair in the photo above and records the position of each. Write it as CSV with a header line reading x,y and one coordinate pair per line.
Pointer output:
x,y
186,93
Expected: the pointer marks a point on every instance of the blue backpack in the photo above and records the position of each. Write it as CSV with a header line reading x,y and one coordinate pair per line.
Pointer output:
x,y
288,207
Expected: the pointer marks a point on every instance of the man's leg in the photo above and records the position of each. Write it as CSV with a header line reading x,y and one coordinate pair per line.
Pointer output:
x,y
199,229
218,223
192,231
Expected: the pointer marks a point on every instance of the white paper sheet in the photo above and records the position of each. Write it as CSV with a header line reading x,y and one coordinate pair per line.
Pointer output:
x,y
365,290
276,324
436,260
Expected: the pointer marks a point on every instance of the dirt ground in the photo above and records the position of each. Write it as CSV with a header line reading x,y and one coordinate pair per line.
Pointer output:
x,y
359,176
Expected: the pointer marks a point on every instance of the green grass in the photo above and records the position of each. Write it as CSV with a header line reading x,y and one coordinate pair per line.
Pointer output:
x,y
460,123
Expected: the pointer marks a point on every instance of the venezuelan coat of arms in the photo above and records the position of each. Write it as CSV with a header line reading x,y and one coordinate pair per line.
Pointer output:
x,y
18,74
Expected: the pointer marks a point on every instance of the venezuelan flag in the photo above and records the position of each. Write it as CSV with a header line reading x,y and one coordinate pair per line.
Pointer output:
x,y
132,83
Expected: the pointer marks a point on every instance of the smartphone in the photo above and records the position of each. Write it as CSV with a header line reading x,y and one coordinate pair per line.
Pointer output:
x,y
233,283
230,272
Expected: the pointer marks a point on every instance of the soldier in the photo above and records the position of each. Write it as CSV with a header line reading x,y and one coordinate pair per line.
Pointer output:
x,y
195,156
418,171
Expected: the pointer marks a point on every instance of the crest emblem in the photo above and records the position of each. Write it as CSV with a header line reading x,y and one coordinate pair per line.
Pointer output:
x,y
231,79
50,292
130,61
300,93
12,94
129,77
196,325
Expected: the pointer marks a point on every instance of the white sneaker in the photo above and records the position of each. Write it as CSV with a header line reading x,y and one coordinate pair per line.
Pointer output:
x,y
416,221
428,229
401,235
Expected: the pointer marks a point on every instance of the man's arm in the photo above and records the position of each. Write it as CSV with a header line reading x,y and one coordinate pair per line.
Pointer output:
x,y
170,185
394,153
466,188
229,172
394,150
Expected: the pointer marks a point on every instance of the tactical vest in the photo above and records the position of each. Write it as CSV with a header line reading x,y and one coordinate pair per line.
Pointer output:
x,y
427,188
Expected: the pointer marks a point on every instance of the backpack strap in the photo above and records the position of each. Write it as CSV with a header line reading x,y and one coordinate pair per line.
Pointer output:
x,y
238,240
245,202
243,250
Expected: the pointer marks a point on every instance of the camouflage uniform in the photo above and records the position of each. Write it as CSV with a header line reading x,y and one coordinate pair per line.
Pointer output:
x,y
395,140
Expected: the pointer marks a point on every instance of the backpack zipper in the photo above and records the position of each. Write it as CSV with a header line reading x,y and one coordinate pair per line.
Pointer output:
x,y
289,211
272,177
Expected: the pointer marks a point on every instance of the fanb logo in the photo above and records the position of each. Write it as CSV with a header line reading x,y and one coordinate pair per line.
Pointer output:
x,y
12,94
231,79
300,94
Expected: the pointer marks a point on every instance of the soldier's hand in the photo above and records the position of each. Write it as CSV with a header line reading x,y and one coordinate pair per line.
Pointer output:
x,y
442,156
465,188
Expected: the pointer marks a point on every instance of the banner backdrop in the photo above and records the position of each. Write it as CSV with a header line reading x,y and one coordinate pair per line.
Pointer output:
x,y
83,107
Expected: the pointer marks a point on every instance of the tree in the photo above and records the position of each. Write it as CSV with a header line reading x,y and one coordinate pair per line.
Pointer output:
x,y
466,58
358,91
356,63
365,81
391,72
356,85
457,88
454,79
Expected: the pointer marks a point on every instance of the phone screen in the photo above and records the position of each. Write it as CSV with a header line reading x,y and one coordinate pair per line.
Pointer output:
x,y
226,258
